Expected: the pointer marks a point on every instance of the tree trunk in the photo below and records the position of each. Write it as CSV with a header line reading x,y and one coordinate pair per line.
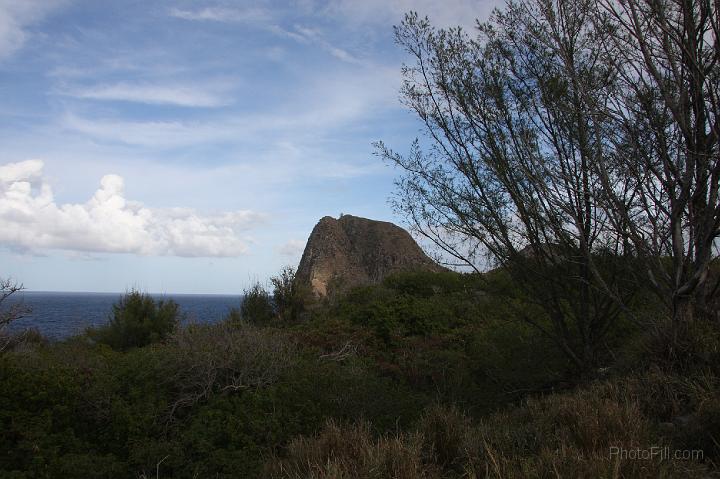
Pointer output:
x,y
683,316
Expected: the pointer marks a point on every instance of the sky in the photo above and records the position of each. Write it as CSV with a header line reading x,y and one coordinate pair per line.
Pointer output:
x,y
191,146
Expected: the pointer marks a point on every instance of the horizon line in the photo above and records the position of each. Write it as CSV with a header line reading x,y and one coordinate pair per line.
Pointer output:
x,y
28,290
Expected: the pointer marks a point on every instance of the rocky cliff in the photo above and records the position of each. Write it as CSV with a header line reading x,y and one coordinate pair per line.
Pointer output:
x,y
352,251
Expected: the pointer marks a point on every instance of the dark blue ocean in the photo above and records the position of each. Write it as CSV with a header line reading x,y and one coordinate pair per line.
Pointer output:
x,y
61,315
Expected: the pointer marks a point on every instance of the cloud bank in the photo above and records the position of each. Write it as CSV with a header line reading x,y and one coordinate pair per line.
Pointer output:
x,y
31,220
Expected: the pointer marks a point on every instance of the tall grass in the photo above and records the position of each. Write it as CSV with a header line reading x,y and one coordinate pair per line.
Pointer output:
x,y
560,435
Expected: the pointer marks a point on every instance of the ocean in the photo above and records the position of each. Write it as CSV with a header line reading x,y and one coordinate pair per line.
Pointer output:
x,y
61,315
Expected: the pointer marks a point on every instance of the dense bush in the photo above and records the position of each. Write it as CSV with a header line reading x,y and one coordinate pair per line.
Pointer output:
x,y
445,334
257,306
287,302
208,359
137,320
210,401
290,297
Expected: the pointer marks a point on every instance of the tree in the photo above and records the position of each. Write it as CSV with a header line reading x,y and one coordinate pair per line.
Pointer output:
x,y
516,131
136,321
667,156
257,306
10,310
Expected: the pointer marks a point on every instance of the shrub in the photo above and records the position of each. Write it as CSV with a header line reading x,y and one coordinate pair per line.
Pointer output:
x,y
427,283
206,359
23,340
289,296
256,306
137,320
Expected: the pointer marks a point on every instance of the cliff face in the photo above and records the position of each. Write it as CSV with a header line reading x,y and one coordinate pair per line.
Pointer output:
x,y
351,251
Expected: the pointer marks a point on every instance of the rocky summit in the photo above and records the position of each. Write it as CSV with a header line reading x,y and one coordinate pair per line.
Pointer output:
x,y
352,251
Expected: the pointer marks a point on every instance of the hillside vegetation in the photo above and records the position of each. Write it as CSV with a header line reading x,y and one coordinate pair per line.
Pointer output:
x,y
425,375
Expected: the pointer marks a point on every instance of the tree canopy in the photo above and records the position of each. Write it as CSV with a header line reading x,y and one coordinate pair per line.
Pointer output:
x,y
575,145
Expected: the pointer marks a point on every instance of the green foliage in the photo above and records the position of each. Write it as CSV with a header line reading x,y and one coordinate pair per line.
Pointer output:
x,y
425,284
210,401
409,304
256,305
445,334
46,424
137,320
290,298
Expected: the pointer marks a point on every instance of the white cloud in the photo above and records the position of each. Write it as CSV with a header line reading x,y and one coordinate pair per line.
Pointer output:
x,y
161,134
327,102
31,220
222,14
155,94
264,19
382,13
16,16
29,170
292,248
314,37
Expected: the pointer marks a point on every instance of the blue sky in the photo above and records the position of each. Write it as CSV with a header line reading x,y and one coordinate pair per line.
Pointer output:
x,y
191,146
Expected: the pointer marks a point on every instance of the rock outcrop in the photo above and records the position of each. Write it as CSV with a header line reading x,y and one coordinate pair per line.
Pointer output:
x,y
351,251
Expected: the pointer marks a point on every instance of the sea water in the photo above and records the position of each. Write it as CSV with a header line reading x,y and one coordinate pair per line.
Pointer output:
x,y
61,315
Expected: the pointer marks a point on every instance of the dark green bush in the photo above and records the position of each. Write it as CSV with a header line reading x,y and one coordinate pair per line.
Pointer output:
x,y
408,304
290,298
136,321
426,283
256,307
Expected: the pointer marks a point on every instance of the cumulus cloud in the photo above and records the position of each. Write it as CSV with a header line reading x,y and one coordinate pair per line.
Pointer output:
x,y
31,220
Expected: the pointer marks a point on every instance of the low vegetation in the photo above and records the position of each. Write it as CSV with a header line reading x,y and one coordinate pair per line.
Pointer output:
x,y
136,321
424,375
563,435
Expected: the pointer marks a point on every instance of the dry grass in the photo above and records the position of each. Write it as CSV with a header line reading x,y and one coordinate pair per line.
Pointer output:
x,y
562,435
351,452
